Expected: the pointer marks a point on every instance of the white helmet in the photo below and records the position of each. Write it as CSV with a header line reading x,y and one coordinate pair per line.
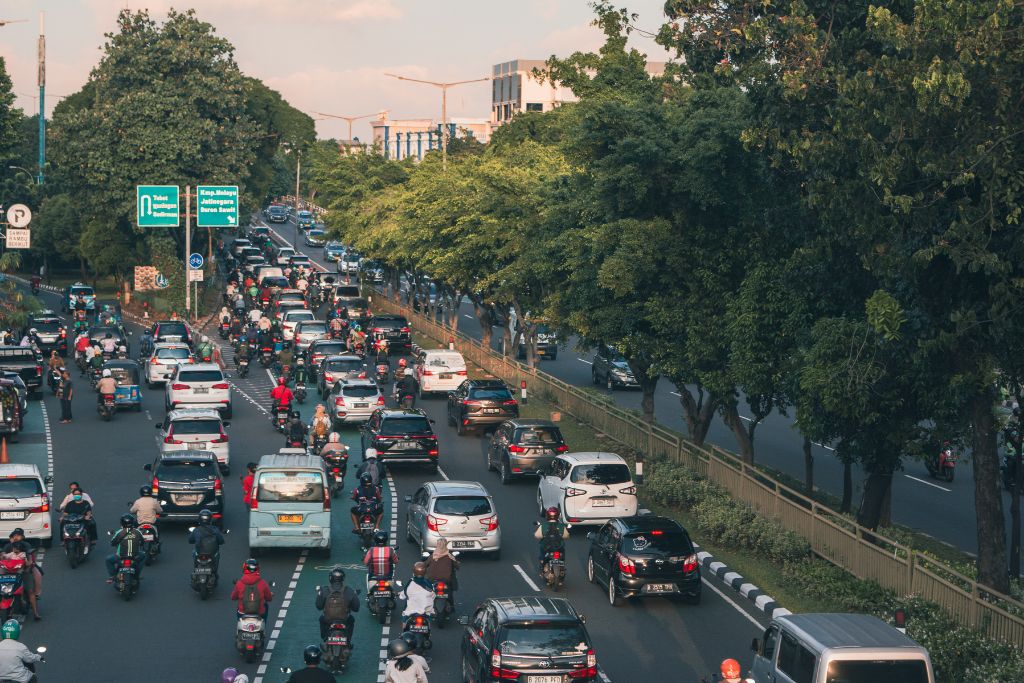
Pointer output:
x,y
370,453
106,373
334,437
205,339
408,372
33,331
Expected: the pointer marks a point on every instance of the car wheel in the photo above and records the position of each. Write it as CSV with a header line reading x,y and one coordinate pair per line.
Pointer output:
x,y
506,474
408,531
608,383
693,599
593,375
613,595
460,428
590,569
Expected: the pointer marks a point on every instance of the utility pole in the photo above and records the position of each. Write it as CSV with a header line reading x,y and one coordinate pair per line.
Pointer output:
x,y
42,96
188,250
298,177
444,108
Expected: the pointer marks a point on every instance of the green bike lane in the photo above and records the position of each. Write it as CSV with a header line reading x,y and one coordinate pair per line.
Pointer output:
x,y
300,626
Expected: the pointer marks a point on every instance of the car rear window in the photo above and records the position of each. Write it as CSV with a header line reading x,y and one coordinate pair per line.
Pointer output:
x,y
357,303
20,487
877,671
181,353
470,506
300,258
654,543
347,365
82,291
539,638
600,473
290,487
528,435
186,470
48,326
313,328
172,329
329,348
274,281
390,323
490,394
196,427
200,375
347,291
291,296
360,391
399,426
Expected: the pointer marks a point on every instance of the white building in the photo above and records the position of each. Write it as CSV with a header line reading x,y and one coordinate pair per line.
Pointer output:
x,y
403,138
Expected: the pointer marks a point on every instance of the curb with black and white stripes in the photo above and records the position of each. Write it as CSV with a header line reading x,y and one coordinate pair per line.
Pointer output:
x,y
734,580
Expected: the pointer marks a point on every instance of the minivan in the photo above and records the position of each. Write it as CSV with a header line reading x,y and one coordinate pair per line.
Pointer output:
x,y
291,504
24,503
343,294
856,648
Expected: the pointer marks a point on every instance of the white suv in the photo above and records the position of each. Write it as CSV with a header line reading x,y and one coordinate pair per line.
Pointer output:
x,y
24,503
291,318
439,370
588,488
195,429
201,385
167,356
354,400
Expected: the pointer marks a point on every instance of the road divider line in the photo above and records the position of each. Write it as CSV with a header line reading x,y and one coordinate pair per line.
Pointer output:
x,y
41,555
732,602
282,613
385,635
584,361
943,488
827,448
526,578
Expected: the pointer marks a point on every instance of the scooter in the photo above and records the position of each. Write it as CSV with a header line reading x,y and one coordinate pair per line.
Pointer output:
x,y
553,568
280,418
107,407
300,392
12,590
444,600
204,578
337,465
150,542
405,400
944,466
337,647
318,443
366,529
380,597
223,330
126,578
54,380
250,636
74,536
243,367
383,372
266,356
419,626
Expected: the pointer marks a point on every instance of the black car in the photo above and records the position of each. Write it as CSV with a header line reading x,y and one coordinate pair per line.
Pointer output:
x,y
480,402
611,369
395,329
524,446
172,331
98,333
277,214
322,348
401,436
186,482
358,311
51,332
526,639
26,363
642,556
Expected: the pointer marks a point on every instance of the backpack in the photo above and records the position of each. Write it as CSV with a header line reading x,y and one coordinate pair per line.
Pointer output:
x,y
552,535
207,542
320,428
336,606
251,599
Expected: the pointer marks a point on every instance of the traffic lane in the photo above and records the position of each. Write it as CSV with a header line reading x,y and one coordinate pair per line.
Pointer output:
x,y
692,638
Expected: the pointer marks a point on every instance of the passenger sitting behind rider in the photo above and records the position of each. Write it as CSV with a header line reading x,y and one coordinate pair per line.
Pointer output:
x,y
367,499
107,386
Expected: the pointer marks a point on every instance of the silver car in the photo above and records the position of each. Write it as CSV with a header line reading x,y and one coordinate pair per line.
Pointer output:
x,y
354,400
165,359
462,512
308,331
197,429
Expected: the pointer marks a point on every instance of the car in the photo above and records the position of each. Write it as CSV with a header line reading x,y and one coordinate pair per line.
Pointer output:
x,y
267,270
300,261
333,251
547,344
344,294
372,271
335,368
609,368
165,358
172,331
642,556
480,402
292,317
439,370
98,333
198,385
315,238
195,429
350,262
524,446
322,348
20,388
394,327
237,245
257,234
274,282
462,512
309,331
277,214
530,638
13,404
588,488
289,294
304,219
24,503
78,292
253,260
51,332
401,436
185,483
359,311
283,255
353,400
26,363
286,306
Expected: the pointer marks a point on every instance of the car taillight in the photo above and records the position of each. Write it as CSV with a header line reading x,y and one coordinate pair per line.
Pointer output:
x,y
221,385
499,673
340,402
178,387
154,360
569,492
434,523
432,453
626,565
490,522
171,440
39,370
406,330
516,449
510,402
468,402
690,564
561,449
629,491
44,507
218,485
155,485
380,400
428,373
461,373
223,438
378,329
63,334
592,661
253,504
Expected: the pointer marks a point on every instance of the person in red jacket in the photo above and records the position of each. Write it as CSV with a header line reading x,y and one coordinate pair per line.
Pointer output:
x,y
280,395
247,482
251,577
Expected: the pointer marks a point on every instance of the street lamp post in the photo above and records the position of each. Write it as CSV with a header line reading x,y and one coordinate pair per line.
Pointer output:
x,y
289,147
444,108
350,119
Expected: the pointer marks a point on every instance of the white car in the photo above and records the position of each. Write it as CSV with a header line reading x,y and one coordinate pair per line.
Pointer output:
x,y
284,254
200,385
195,429
165,360
439,370
24,503
293,317
588,488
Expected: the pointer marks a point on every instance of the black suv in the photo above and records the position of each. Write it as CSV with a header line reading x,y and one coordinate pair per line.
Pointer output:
x,y
644,556
401,436
24,361
50,331
524,446
611,370
525,639
186,482
395,329
172,331
480,402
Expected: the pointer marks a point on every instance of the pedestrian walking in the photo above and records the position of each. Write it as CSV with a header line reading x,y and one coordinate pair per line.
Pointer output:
x,y
65,391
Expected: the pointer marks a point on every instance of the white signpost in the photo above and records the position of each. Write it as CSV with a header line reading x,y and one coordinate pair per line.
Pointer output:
x,y
19,239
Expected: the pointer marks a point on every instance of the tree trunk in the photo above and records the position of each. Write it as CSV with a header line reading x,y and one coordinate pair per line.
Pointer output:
x,y
506,341
988,503
885,518
1015,510
847,502
731,416
697,412
876,488
647,386
483,316
808,467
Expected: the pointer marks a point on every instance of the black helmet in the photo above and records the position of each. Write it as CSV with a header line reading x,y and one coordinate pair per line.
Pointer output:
x,y
380,538
411,639
205,516
398,648
128,521
146,491
107,335
337,575
311,655
366,478
296,415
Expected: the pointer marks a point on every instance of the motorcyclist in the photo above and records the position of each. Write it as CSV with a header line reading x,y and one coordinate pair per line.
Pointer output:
x,y
337,326
367,498
285,358
441,566
731,671
127,543
380,559
333,445
146,343
371,466
418,593
205,349
312,673
108,344
406,386
264,324
400,370
15,658
251,577
107,386
231,675
337,602
207,539
255,315
79,505
295,430
280,395
146,508
551,533
244,350
225,315
81,344
321,423
96,359
403,666
300,373
18,547
380,346
356,338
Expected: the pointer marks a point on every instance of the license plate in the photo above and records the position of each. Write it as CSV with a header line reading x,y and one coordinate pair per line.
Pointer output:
x,y
360,405
660,588
543,679
16,514
381,593
602,502
491,411
445,375
201,390
149,538
186,498
203,570
249,636
199,445
337,640
289,519
406,446
462,544
126,570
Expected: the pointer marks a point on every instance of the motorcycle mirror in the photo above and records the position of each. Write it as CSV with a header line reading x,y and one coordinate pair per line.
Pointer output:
x,y
163,503
568,526
191,529
285,670
464,620
147,467
408,499
158,425
109,534
41,649
424,555
456,553
398,583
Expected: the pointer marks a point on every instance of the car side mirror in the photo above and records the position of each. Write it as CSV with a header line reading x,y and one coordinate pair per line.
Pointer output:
x,y
226,424
433,422
147,467
464,620
583,619
48,479
755,645
408,499
424,555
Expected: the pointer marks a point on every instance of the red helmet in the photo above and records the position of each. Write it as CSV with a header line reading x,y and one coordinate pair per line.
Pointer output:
x,y
401,362
730,669
551,513
280,381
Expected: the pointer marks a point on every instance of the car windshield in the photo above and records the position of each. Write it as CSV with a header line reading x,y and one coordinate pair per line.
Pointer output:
x,y
316,233
277,209
344,365
360,391
285,251
186,470
200,376
292,296
299,316
290,487
48,326
471,506
655,543
20,487
179,353
490,394
556,640
877,671
399,426
180,427
600,473
530,435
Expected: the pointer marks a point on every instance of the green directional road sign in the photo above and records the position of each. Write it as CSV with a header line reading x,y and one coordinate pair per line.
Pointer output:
x,y
157,206
217,206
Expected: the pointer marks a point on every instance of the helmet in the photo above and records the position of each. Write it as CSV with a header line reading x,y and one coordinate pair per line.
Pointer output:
x,y
337,575
370,453
128,521
411,639
146,491
34,331
551,513
11,629
205,516
408,372
357,328
419,569
280,381
401,362
730,669
205,339
228,675
106,373
311,655
122,348
296,415
250,566
398,648
333,437
366,478
380,538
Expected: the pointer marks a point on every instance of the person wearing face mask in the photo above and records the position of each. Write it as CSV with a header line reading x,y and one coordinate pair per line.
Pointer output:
x,y
78,505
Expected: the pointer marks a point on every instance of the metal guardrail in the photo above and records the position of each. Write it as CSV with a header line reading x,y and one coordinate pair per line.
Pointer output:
x,y
856,549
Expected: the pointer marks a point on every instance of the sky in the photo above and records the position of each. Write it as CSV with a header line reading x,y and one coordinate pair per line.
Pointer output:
x,y
329,56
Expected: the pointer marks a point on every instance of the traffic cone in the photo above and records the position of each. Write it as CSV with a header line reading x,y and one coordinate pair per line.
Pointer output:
x,y
3,451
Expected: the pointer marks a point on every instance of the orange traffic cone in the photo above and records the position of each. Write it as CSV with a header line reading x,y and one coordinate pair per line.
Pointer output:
x,y
3,451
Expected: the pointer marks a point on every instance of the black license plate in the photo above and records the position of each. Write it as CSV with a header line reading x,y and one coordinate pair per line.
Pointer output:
x,y
379,593
337,640
462,544
245,635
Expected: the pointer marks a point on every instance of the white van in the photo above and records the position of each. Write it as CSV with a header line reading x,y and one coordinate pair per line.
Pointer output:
x,y
439,370
291,503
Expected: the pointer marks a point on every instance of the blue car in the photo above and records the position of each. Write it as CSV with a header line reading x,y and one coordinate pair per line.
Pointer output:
x,y
333,251
79,292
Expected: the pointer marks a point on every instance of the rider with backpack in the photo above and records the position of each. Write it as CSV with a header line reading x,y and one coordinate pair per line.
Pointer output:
x,y
337,602
251,591
207,539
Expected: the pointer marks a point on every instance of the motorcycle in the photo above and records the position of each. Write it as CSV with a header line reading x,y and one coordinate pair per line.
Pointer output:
x,y
337,464
35,288
419,626
243,367
944,465
367,525
383,372
380,598
107,407
204,578
54,380
300,392
126,579
95,376
280,418
74,536
405,400
223,330
266,356
337,647
444,600
250,635
12,590
319,440
150,542
553,568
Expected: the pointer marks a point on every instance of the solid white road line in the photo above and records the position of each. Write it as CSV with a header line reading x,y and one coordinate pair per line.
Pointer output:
x,y
41,554
526,578
929,483
748,419
464,315
729,600
281,614
584,361
675,393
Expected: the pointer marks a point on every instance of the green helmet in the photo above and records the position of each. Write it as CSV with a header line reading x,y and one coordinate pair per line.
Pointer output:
x,y
11,629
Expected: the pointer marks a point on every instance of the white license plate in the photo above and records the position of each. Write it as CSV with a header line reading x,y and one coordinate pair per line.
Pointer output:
x,y
201,390
199,445
16,514
445,375
203,570
602,502
659,588
360,405
462,544
491,411
337,640
186,498
543,679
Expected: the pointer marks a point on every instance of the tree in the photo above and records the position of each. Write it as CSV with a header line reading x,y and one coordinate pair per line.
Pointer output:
x,y
56,231
14,186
